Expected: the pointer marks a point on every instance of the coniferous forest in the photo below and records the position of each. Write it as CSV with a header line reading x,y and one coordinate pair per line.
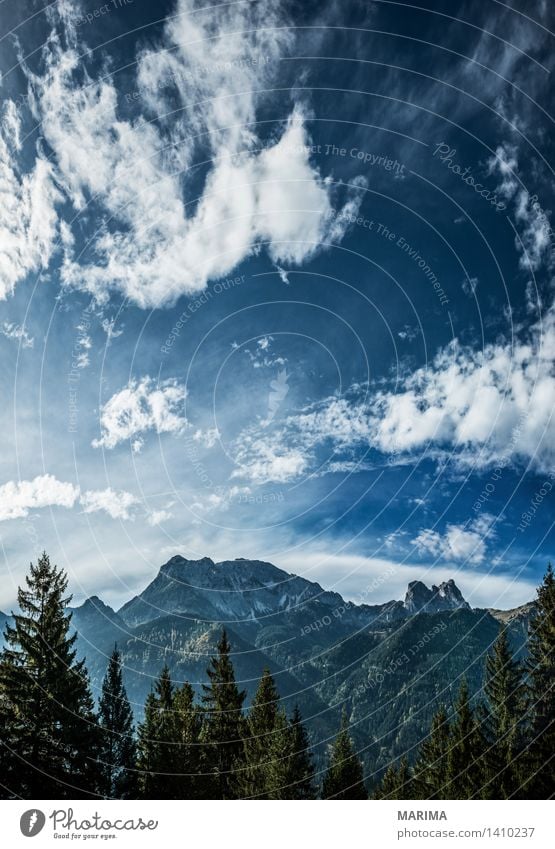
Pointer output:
x,y
57,743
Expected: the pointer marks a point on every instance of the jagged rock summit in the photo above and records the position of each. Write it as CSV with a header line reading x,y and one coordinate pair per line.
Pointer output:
x,y
243,590
420,599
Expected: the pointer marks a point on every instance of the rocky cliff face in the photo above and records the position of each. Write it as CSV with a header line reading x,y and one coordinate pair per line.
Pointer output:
x,y
420,599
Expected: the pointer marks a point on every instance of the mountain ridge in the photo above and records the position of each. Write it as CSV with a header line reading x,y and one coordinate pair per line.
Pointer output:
x,y
388,664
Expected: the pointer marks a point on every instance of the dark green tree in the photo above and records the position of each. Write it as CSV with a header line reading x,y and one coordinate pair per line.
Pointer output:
x,y
188,726
539,782
301,779
278,764
396,783
118,750
223,728
158,743
288,769
502,719
466,776
344,778
259,728
430,770
45,700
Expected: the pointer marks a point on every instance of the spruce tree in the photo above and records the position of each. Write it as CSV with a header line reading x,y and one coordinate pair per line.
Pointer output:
x,y
344,778
259,728
430,771
301,782
277,768
396,783
503,718
466,776
223,727
158,761
540,763
45,695
117,744
188,755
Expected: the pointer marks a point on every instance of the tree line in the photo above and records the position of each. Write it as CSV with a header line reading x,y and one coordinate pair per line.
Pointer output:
x,y
504,746
55,744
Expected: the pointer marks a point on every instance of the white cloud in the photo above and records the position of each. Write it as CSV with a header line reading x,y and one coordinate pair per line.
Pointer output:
x,y
207,438
536,239
28,218
157,517
17,332
374,580
283,275
141,406
457,543
116,504
17,498
262,461
492,405
469,286
477,407
133,174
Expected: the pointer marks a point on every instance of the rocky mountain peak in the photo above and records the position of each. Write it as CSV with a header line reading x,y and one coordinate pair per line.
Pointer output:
x,y
447,596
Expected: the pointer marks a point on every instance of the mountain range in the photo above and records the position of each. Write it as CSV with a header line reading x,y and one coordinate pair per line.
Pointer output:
x,y
389,664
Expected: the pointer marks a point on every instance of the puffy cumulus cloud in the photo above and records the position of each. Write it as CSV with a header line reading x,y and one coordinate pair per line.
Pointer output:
x,y
487,406
28,217
457,543
480,407
155,239
139,407
116,504
17,498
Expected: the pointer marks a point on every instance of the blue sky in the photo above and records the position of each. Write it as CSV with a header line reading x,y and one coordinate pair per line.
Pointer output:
x,y
278,283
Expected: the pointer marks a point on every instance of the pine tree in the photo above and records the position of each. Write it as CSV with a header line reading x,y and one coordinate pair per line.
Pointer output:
x,y
188,724
117,744
540,764
45,695
259,728
503,718
465,758
430,771
396,782
302,767
344,778
223,728
148,750
158,759
277,768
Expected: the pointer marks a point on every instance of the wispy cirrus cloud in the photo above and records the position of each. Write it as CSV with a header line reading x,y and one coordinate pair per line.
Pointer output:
x,y
18,333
